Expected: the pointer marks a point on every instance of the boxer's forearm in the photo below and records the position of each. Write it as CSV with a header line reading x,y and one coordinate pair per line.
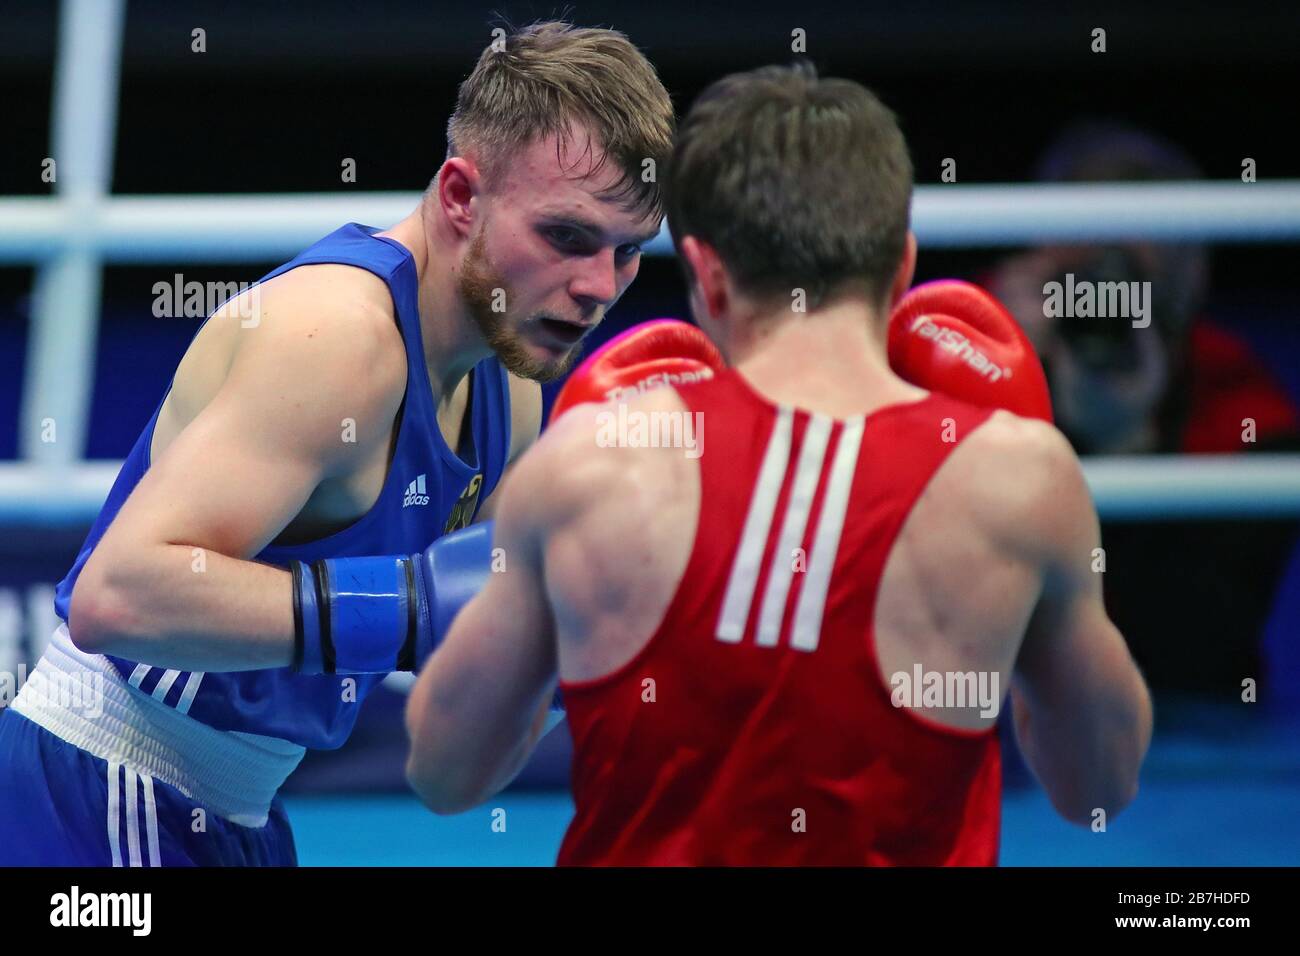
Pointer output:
x,y
1096,773
185,608
542,724
453,769
173,605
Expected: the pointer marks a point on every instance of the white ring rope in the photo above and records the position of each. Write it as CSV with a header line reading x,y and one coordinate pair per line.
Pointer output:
x,y
1125,488
247,228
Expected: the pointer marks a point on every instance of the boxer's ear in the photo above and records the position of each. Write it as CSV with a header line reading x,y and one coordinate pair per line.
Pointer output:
x,y
906,270
709,284
455,188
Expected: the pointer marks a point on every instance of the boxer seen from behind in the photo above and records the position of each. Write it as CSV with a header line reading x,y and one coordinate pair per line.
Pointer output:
x,y
792,649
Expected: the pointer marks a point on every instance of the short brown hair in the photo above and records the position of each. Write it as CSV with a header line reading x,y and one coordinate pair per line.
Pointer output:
x,y
796,181
548,74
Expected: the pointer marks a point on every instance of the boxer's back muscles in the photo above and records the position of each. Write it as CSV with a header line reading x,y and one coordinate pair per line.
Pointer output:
x,y
997,570
992,572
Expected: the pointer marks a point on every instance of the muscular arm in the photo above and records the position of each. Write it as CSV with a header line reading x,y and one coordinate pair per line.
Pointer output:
x,y
171,582
1081,710
480,705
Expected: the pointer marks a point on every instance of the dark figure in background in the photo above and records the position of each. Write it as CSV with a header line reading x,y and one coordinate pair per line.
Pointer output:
x,y
1192,597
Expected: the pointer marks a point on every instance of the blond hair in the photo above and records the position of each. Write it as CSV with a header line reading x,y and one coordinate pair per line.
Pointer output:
x,y
551,74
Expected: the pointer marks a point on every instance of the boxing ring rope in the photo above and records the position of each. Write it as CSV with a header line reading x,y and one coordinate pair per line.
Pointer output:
x,y
249,228
71,235
1125,488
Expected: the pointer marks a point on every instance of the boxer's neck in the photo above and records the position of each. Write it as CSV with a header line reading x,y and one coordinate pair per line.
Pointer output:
x,y
832,360
452,342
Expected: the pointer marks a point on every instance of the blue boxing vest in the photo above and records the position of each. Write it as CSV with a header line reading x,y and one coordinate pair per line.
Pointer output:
x,y
428,491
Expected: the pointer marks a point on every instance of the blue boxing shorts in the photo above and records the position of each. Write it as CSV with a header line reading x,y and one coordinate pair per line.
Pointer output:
x,y
95,773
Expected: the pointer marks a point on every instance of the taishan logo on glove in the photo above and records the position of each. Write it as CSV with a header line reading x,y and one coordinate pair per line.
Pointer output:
x,y
624,392
950,340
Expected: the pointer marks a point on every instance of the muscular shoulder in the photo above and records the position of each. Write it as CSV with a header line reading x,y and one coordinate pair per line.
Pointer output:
x,y
591,460
324,348
1022,483
345,312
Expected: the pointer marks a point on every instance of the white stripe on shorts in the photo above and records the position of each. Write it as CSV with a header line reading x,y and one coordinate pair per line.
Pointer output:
x,y
132,820
114,841
191,689
165,684
151,820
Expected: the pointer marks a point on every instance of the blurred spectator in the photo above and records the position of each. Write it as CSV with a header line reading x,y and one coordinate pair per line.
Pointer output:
x,y
1183,384
1192,597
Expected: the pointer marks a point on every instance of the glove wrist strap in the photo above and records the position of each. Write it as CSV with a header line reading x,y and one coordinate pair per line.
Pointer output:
x,y
353,615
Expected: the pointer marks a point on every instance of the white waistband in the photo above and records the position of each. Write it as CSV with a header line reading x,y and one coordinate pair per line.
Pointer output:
x,y
82,699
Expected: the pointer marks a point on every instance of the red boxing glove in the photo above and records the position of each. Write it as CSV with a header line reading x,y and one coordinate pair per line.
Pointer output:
x,y
954,338
654,353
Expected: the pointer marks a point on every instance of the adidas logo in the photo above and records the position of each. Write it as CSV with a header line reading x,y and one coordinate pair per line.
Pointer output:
x,y
415,494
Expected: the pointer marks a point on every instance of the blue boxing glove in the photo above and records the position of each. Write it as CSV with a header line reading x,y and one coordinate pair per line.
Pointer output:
x,y
373,615
377,615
